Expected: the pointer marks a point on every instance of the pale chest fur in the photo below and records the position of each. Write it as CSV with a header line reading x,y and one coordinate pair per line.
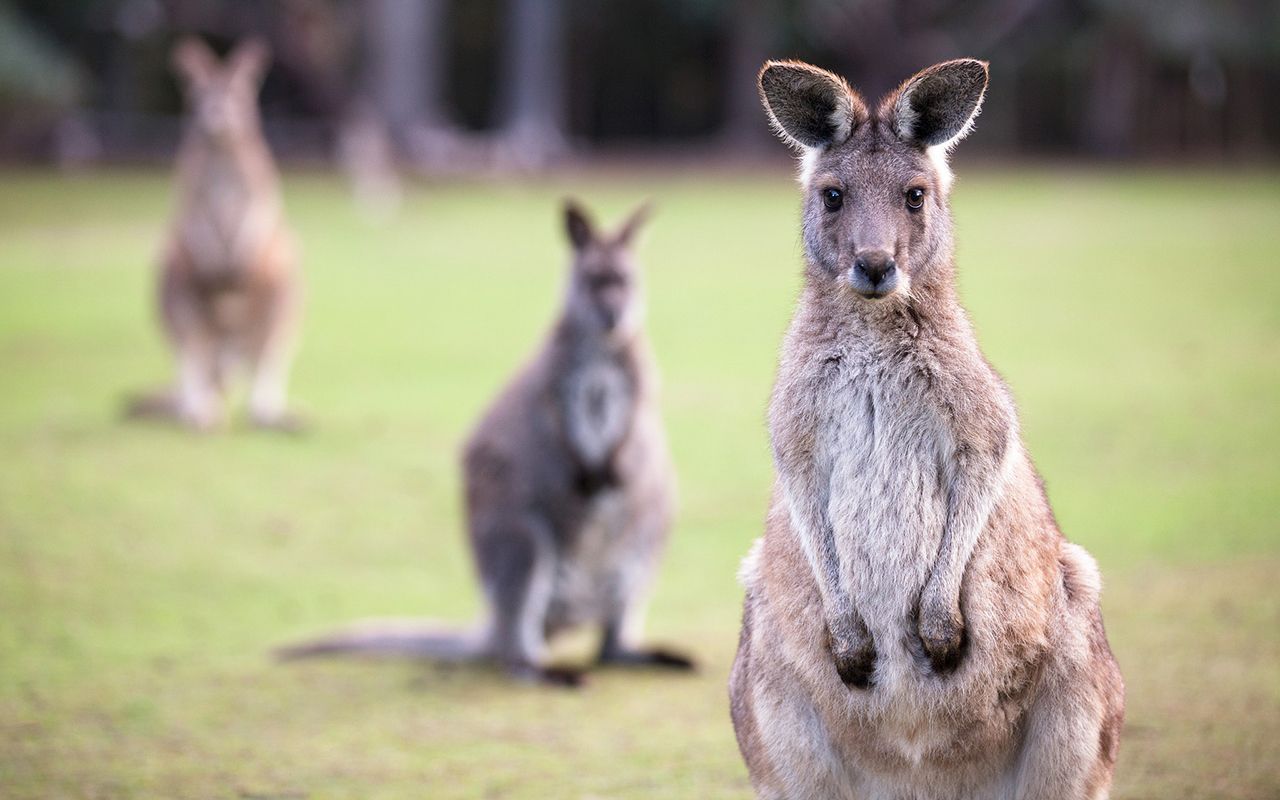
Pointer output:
x,y
599,405
226,217
882,445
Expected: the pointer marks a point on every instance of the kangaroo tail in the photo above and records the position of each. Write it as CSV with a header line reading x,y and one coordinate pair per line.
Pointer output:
x,y
1080,576
157,404
414,638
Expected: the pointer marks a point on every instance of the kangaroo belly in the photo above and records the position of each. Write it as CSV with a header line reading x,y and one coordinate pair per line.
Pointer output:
x,y
888,507
887,504
943,737
589,574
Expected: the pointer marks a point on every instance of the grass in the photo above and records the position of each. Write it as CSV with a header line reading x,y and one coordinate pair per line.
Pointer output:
x,y
145,573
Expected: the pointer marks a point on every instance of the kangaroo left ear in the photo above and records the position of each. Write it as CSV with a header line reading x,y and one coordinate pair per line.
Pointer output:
x,y
578,225
938,105
193,61
809,107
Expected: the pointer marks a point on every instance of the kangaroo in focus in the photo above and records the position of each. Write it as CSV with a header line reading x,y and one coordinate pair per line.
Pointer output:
x,y
230,291
915,625
569,485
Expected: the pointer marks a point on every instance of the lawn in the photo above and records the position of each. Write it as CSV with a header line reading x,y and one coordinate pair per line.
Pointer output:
x,y
145,573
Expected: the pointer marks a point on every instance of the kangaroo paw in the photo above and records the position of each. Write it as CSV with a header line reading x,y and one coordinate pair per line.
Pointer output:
x,y
854,655
286,422
942,634
560,677
856,667
649,657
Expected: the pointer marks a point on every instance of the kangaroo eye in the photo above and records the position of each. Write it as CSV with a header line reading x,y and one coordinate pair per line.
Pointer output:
x,y
915,199
833,199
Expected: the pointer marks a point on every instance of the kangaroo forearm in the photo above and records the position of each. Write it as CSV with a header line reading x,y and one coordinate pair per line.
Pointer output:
x,y
974,490
806,505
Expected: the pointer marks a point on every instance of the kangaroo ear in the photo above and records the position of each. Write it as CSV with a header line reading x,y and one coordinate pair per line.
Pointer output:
x,y
938,105
809,107
250,59
627,231
193,60
578,225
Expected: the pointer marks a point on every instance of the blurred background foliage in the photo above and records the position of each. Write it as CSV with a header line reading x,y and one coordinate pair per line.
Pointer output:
x,y
458,85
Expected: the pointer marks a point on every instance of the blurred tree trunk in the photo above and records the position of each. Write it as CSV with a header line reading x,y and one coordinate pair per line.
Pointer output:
x,y
1110,116
405,48
750,23
531,101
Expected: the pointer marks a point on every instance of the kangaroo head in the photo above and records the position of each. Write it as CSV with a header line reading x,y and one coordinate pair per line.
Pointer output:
x,y
604,282
876,216
222,96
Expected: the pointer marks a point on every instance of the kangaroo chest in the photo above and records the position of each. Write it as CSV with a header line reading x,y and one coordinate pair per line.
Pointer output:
x,y
886,446
598,403
223,217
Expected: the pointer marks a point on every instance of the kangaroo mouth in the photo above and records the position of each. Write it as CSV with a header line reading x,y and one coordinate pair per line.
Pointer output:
x,y
873,291
875,294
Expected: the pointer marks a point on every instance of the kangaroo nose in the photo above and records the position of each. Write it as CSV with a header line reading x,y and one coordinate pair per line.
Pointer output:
x,y
875,266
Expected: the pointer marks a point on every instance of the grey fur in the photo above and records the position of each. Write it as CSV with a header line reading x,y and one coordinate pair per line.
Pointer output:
x,y
569,486
915,625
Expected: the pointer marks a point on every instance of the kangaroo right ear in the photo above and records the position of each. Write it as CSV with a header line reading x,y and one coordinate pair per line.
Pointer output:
x,y
578,225
251,58
193,60
809,107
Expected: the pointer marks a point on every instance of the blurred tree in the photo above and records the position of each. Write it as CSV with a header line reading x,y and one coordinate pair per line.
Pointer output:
x,y
532,89
405,47
467,83
38,82
750,37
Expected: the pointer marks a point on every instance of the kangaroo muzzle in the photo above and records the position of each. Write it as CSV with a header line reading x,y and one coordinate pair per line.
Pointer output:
x,y
874,274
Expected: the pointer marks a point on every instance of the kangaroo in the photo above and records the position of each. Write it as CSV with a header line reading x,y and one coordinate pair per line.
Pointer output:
x,y
569,485
230,290
915,626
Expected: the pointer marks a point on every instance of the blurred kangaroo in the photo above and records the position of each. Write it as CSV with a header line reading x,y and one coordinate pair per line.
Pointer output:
x,y
915,625
569,485
230,291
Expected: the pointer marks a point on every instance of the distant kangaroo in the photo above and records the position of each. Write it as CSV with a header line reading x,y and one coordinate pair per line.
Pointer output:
x,y
569,485
230,291
915,625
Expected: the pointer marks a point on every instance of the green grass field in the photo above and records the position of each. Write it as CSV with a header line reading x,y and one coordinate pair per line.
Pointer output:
x,y
145,573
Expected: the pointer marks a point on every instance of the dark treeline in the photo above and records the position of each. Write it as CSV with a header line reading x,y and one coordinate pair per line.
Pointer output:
x,y
448,82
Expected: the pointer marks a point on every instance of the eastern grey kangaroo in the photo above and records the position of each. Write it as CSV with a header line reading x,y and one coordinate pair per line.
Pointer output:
x,y
569,485
230,291
915,625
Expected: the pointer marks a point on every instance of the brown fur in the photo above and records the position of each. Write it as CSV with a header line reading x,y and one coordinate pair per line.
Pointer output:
x,y
916,626
230,291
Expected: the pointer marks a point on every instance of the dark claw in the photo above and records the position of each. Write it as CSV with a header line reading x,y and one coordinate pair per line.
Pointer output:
x,y
944,658
857,667
670,659
943,639
563,677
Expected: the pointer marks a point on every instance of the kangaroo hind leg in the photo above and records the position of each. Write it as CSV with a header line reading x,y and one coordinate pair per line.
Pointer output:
x,y
517,561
